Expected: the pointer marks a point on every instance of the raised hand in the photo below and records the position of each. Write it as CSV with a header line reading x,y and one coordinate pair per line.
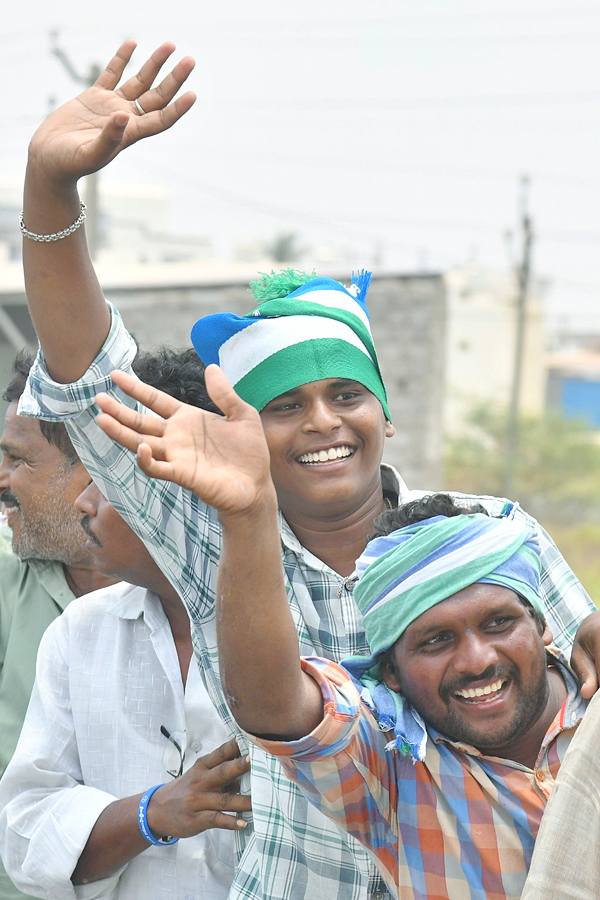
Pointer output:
x,y
203,796
222,459
86,133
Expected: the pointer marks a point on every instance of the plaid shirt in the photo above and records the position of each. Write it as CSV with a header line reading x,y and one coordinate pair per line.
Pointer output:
x,y
457,825
293,851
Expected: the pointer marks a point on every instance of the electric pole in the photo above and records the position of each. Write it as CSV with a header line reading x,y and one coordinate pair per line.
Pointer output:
x,y
91,181
522,273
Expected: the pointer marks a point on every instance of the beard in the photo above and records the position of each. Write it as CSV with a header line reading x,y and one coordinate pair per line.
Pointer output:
x,y
530,702
50,527
528,707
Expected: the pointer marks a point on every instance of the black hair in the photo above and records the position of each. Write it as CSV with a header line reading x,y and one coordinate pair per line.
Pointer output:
x,y
54,432
425,507
179,373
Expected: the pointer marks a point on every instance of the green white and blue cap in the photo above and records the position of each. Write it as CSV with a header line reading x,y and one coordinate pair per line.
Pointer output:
x,y
321,329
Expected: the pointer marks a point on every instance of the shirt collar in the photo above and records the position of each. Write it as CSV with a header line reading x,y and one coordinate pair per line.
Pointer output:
x,y
132,602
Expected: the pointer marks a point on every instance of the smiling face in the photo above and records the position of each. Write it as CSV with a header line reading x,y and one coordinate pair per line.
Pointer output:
x,y
326,442
475,667
38,488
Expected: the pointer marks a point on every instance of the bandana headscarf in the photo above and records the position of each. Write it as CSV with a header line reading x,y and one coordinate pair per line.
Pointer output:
x,y
407,572
320,330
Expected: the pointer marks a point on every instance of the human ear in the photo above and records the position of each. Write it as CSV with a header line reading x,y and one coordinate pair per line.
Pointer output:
x,y
547,636
390,676
390,431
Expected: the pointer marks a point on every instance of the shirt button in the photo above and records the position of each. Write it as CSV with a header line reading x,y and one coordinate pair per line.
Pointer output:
x,y
378,895
195,747
540,776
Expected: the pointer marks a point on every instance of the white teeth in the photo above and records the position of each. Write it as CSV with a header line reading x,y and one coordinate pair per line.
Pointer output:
x,y
471,693
325,455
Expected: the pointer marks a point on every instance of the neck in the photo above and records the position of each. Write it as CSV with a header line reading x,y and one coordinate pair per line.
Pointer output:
x,y
82,580
338,541
179,622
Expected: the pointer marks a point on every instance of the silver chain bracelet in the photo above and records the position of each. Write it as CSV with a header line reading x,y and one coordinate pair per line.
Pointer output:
x,y
58,235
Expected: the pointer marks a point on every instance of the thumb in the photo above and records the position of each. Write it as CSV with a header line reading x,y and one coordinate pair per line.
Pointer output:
x,y
222,393
584,666
104,147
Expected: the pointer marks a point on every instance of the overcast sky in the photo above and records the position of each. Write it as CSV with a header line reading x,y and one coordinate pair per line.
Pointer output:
x,y
395,130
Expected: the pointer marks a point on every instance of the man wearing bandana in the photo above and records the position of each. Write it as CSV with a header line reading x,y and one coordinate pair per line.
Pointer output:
x,y
439,752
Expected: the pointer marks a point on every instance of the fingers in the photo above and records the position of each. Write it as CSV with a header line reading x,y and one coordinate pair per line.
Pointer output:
x,y
224,764
142,80
126,437
159,402
113,72
163,119
157,98
220,820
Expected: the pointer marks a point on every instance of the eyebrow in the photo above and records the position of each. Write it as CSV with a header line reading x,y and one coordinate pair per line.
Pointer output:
x,y
6,447
498,610
337,383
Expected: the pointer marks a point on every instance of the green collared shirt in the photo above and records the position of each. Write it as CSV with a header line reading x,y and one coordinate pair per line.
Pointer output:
x,y
33,593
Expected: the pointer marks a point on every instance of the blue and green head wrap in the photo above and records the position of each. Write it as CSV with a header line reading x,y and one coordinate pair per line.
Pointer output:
x,y
319,329
412,569
409,571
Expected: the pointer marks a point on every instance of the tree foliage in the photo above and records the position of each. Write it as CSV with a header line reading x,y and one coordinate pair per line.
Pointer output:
x,y
557,478
557,470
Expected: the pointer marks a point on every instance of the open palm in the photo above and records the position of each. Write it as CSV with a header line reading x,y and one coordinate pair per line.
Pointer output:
x,y
88,132
224,460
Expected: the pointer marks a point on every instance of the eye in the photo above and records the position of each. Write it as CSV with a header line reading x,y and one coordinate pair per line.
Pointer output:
x,y
289,406
499,623
437,641
349,394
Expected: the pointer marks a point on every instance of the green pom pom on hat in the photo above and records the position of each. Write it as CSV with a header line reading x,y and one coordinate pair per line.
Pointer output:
x,y
278,284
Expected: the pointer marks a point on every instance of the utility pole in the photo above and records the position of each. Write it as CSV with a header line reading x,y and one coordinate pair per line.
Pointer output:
x,y
91,181
522,272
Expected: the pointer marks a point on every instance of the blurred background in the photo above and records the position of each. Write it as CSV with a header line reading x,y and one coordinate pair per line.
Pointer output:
x,y
452,147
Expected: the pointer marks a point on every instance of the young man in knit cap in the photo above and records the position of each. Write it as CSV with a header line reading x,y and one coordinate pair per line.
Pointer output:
x,y
316,381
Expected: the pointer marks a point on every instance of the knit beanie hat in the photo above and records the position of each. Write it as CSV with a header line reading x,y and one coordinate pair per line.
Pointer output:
x,y
306,329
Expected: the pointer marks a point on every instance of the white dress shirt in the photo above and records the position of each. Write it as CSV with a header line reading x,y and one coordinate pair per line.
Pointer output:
x,y
107,678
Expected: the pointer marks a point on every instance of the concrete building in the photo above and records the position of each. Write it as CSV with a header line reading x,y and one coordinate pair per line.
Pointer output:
x,y
480,348
160,303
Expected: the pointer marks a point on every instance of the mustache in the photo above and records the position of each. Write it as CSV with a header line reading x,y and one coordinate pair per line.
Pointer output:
x,y
492,673
85,524
9,499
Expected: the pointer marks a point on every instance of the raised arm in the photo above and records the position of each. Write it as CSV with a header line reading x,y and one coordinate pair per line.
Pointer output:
x,y
66,302
225,461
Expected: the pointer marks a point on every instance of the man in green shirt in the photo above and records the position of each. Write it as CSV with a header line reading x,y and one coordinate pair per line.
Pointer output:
x,y
44,562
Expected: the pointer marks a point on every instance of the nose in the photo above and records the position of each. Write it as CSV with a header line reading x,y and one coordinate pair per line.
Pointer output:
x,y
474,655
87,502
321,417
3,473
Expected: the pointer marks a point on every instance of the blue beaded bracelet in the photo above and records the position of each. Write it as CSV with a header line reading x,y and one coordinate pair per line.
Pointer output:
x,y
143,821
